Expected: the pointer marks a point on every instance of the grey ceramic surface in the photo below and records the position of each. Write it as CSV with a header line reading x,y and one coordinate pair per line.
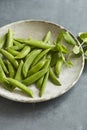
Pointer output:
x,y
68,112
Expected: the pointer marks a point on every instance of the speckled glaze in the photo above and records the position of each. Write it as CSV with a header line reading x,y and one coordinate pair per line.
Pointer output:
x,y
68,76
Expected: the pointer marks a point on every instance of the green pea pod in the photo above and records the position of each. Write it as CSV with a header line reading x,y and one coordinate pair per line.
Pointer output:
x,y
39,82
41,55
21,86
83,37
58,66
47,37
16,43
62,48
30,58
3,66
53,77
9,38
20,40
2,74
68,38
60,37
11,69
18,47
54,58
23,53
2,41
33,78
11,51
18,75
3,80
37,67
9,57
42,89
38,44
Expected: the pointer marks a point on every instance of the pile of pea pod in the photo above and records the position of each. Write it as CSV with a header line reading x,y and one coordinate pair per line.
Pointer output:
x,y
27,61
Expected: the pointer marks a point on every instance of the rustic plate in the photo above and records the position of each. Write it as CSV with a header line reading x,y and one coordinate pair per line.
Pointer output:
x,y
68,76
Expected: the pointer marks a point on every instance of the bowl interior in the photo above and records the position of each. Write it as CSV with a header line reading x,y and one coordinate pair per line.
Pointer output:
x,y
68,76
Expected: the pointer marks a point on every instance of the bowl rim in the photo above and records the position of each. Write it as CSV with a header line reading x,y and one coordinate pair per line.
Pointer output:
x,y
66,90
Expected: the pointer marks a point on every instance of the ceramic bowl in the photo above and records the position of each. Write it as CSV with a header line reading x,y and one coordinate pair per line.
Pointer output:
x,y
68,77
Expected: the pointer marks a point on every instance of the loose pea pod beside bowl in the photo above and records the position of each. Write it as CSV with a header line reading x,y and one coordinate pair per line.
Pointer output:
x,y
39,65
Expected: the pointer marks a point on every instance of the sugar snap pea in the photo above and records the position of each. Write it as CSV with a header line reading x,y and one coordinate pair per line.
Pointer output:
x,y
9,57
18,75
58,66
9,38
42,89
18,47
53,77
47,64
68,38
33,78
54,58
37,67
3,80
47,37
39,82
23,53
11,69
21,86
16,43
41,55
60,37
2,74
38,44
11,51
3,66
30,58
2,40
42,81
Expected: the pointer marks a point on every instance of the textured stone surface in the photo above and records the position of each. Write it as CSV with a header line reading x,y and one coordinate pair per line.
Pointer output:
x,y
68,112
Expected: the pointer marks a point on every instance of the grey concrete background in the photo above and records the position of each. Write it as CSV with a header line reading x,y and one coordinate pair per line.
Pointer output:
x,y
68,112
